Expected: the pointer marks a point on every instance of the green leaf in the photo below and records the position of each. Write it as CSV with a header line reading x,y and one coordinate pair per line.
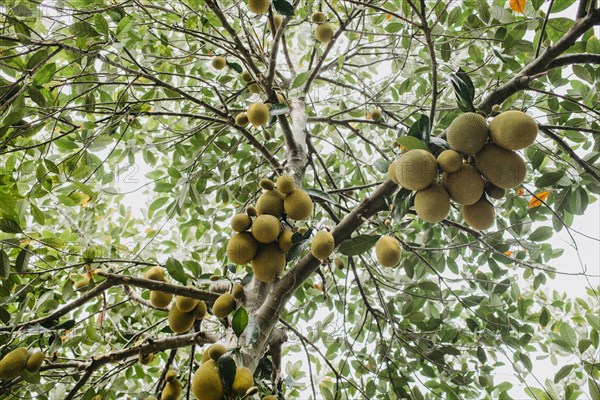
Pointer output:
x,y
239,321
321,195
9,226
23,259
594,389
563,372
101,24
175,270
44,74
301,79
544,317
401,204
420,129
567,333
411,143
4,265
394,27
236,67
540,234
358,245
283,7
481,356
593,320
36,96
279,109
83,29
525,360
464,90
227,369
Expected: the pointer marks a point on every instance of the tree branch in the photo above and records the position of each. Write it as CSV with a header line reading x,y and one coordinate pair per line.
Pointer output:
x,y
578,58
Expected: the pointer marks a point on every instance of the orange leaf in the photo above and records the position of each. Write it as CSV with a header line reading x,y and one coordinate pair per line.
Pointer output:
x,y
388,17
508,253
517,5
536,200
520,191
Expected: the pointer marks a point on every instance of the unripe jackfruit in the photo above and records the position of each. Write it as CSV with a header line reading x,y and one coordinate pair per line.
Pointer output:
x,y
266,184
388,251
285,240
238,291
219,62
449,161
247,77
324,33
268,263
241,222
266,228
416,169
224,305
464,186
258,114
155,274
172,390
468,133
145,359
252,211
35,361
494,191
185,304
319,17
160,299
170,376
322,245
216,351
259,6
339,263
242,119
392,172
433,203
269,397
276,22
513,130
286,184
254,88
298,205
270,202
206,382
13,363
200,310
504,168
376,114
480,215
241,248
243,381
180,321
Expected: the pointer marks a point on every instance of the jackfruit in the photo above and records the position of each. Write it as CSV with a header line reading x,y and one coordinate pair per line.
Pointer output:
x,y
237,291
259,6
270,202
504,168
464,186
185,304
268,263
206,382
322,245
513,130
172,390
170,376
155,274
252,211
243,381
433,203
83,282
200,310
324,33
494,191
266,184
416,169
285,240
392,172
298,205
151,398
319,17
241,222
242,119
35,361
276,22
219,62
180,321
449,161
145,359
468,133
388,251
224,305
160,299
216,350
266,228
286,184
480,215
339,263
376,114
241,248
254,88
247,77
269,397
258,114
13,363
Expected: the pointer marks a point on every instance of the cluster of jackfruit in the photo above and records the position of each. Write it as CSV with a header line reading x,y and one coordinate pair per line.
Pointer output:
x,y
17,361
173,387
324,31
495,167
259,236
158,298
207,383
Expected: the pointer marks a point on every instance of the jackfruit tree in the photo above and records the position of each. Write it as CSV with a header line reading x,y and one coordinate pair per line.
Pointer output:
x,y
287,199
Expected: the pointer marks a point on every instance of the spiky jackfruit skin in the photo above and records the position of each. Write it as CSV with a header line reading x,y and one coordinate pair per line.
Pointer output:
x,y
481,215
200,310
468,133
219,62
513,130
237,291
449,161
241,222
155,274
286,184
185,304
170,376
388,251
258,114
259,6
224,305
35,361
160,299
284,241
270,202
298,205
504,168
266,184
216,351
268,263
172,390
243,381
180,321
376,114
324,33
392,172
241,248
242,119
266,228
433,203
494,191
416,169
13,363
464,186
319,17
322,245
252,211
206,382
